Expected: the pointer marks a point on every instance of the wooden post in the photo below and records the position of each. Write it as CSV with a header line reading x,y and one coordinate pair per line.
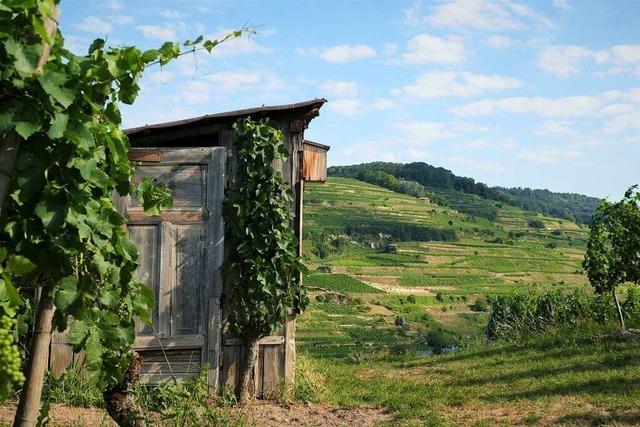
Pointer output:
x,y
30,399
11,145
29,405
619,309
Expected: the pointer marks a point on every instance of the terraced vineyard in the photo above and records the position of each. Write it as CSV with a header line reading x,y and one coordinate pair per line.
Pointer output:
x,y
384,292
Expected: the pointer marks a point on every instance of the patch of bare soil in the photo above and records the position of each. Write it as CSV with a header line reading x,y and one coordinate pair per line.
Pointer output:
x,y
62,415
447,318
258,414
269,414
379,309
565,410
401,290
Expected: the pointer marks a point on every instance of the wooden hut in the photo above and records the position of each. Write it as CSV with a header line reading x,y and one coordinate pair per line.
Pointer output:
x,y
182,250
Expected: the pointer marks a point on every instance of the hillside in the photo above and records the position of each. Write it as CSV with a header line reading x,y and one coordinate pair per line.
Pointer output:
x,y
445,183
395,278
387,246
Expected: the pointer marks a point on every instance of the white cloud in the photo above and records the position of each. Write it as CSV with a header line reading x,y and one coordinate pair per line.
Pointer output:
x,y
616,109
196,92
625,54
338,89
623,122
347,53
422,132
622,109
562,4
112,4
428,49
633,139
77,44
562,61
505,143
390,49
384,104
171,14
163,77
121,19
555,129
499,42
159,32
453,83
348,107
625,58
548,155
244,45
95,25
572,106
477,15
229,81
484,165
565,132
602,56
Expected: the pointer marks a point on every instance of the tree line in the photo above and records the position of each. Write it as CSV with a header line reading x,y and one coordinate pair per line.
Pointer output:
x,y
409,176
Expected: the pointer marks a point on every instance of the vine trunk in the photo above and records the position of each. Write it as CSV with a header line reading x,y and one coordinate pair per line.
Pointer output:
x,y
253,349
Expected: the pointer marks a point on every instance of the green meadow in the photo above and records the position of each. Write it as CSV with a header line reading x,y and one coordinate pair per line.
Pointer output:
x,y
394,279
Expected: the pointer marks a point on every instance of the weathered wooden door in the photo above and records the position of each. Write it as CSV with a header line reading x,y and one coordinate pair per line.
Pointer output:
x,y
181,252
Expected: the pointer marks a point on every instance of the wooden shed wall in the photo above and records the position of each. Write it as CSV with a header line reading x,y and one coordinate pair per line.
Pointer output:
x,y
276,361
276,364
315,163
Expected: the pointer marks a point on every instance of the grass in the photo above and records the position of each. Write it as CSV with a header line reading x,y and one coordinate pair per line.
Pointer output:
x,y
578,379
370,347
338,282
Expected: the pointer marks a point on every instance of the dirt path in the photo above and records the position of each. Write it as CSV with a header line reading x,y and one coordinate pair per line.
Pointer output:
x,y
391,288
258,414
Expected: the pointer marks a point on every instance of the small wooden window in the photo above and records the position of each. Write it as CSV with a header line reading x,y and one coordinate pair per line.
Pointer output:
x,y
314,162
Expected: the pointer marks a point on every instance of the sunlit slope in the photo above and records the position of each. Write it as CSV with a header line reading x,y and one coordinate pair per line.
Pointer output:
x,y
484,257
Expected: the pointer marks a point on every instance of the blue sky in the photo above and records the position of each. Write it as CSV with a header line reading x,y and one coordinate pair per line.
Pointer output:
x,y
511,93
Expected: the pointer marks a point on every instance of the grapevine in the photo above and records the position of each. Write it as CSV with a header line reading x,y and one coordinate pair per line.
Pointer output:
x,y
10,374
59,229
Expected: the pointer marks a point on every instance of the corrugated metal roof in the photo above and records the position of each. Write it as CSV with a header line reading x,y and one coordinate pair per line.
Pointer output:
x,y
263,110
317,144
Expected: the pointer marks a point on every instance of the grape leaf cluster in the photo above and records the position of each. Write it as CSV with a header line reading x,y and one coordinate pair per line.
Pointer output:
x,y
59,218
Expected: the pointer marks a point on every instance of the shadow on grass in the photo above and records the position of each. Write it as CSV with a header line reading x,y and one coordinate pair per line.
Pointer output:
x,y
604,386
560,347
605,363
631,417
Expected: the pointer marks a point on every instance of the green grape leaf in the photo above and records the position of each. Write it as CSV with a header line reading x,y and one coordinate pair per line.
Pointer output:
x,y
58,125
66,293
53,84
19,265
77,333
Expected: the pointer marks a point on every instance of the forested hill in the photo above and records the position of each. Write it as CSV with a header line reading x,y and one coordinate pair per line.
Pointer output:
x,y
420,178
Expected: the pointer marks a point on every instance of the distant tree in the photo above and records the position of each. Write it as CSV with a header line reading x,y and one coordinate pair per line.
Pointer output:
x,y
535,223
613,250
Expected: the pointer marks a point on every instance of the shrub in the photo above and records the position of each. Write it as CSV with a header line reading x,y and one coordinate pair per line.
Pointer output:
x,y
631,306
309,386
439,340
479,305
535,223
440,296
411,299
518,315
183,404
73,388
